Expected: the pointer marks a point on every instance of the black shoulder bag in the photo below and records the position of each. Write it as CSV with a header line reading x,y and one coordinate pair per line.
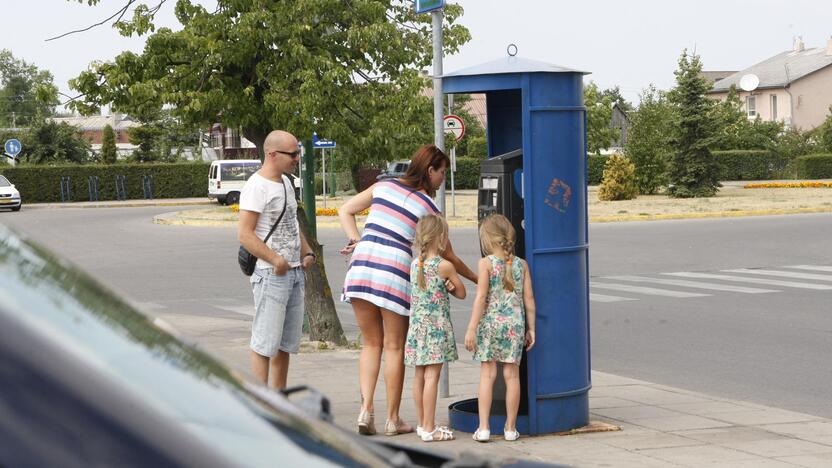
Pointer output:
x,y
248,261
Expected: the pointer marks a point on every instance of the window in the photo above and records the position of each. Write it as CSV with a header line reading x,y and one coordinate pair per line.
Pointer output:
x,y
773,107
751,106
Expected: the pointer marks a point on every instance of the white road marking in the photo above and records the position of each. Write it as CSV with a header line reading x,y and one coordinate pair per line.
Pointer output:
x,y
692,284
742,279
643,290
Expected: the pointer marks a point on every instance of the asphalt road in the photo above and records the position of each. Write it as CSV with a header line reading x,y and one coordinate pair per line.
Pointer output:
x,y
663,307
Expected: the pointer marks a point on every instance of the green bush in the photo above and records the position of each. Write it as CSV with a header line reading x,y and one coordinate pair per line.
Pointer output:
x,y
38,183
748,164
477,148
619,182
467,175
814,166
595,169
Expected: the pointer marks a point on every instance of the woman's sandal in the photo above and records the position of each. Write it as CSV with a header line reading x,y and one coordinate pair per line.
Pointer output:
x,y
511,435
366,423
482,435
439,434
399,427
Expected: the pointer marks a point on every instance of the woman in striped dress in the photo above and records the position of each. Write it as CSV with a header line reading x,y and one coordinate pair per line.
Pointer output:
x,y
377,284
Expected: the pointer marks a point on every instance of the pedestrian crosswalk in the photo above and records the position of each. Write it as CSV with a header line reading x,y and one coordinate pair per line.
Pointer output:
x,y
679,284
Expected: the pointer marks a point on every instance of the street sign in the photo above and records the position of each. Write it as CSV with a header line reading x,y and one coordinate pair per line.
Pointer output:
x,y
454,124
13,147
321,143
424,6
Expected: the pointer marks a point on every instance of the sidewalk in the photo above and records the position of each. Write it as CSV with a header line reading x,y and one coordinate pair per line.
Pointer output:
x,y
660,426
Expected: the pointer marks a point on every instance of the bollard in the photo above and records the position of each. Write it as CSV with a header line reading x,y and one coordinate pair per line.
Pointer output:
x,y
94,187
66,193
121,192
147,187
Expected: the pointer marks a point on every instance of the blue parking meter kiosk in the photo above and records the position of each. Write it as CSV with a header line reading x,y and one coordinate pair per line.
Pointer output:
x,y
537,145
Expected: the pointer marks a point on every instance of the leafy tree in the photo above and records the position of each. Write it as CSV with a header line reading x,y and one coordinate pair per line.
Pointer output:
x,y
145,138
477,148
735,131
693,169
824,133
27,94
339,68
51,143
108,145
648,144
599,134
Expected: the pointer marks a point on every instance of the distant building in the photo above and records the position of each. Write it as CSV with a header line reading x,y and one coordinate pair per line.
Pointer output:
x,y
713,76
621,122
795,87
92,129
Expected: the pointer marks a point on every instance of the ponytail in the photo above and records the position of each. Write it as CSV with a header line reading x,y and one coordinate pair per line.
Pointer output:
x,y
508,274
421,271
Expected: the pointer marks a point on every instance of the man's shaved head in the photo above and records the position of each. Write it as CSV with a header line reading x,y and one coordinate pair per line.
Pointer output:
x,y
280,140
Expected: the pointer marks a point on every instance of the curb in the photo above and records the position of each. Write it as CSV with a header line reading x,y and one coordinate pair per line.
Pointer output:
x,y
40,206
176,218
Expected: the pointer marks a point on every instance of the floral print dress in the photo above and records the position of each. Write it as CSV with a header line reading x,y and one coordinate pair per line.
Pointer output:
x,y
430,337
501,332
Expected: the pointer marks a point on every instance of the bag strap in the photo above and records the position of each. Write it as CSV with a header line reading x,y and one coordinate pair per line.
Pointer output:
x,y
285,202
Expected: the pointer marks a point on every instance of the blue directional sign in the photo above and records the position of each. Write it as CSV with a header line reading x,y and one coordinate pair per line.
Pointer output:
x,y
13,147
424,6
321,143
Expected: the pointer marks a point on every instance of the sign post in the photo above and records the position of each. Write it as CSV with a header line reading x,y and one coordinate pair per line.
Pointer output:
x,y
323,145
453,124
13,147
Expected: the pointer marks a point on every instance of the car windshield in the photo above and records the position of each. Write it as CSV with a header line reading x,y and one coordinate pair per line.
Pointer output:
x,y
184,384
4,182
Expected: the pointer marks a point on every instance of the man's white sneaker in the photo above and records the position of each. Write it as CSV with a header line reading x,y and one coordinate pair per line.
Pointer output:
x,y
511,435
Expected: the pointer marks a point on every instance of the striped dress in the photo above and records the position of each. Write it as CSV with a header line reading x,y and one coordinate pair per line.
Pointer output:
x,y
380,268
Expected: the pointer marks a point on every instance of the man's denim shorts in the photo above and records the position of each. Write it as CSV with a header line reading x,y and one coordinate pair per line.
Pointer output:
x,y
278,311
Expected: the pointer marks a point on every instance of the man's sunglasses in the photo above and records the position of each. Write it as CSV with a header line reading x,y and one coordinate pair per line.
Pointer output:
x,y
291,154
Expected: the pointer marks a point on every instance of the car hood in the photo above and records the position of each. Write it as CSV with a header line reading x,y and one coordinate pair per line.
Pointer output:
x,y
9,191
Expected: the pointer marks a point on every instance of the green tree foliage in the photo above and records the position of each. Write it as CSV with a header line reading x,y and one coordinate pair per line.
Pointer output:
x,y
339,68
736,132
693,169
619,181
477,147
824,134
615,94
599,134
145,138
108,145
52,143
648,144
27,94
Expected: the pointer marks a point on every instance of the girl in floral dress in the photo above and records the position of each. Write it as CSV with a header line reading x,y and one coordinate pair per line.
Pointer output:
x,y
502,322
430,337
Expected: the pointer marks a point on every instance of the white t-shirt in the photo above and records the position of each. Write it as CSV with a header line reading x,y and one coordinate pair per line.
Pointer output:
x,y
264,196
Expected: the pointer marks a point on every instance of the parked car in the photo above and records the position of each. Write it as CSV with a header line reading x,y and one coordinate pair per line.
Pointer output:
x,y
9,196
86,380
394,170
226,178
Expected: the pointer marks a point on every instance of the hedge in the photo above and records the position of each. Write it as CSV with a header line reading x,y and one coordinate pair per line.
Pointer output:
x,y
38,183
748,164
595,168
814,166
467,174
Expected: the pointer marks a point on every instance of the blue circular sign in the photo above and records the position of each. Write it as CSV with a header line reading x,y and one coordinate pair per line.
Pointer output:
x,y
13,147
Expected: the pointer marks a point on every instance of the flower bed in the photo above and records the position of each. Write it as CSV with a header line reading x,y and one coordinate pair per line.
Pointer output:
x,y
790,185
318,211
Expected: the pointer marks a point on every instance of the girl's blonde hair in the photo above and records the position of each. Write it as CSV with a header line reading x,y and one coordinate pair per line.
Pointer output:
x,y
431,232
497,235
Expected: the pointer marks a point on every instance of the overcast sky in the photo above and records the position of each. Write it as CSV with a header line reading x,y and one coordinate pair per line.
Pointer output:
x,y
626,43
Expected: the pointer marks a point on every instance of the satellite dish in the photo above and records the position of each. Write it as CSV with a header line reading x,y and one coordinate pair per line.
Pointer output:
x,y
749,82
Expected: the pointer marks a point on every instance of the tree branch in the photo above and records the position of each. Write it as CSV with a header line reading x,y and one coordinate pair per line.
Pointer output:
x,y
120,13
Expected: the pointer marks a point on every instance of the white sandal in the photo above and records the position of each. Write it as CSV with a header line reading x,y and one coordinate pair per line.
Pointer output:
x,y
482,435
445,434
511,435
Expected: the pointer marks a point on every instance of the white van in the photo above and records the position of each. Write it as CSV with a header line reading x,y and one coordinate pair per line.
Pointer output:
x,y
227,177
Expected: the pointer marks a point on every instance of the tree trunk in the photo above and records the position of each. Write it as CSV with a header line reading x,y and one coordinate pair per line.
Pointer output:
x,y
258,137
324,324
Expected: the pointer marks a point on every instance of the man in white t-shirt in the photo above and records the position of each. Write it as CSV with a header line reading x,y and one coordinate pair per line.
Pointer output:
x,y
278,279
